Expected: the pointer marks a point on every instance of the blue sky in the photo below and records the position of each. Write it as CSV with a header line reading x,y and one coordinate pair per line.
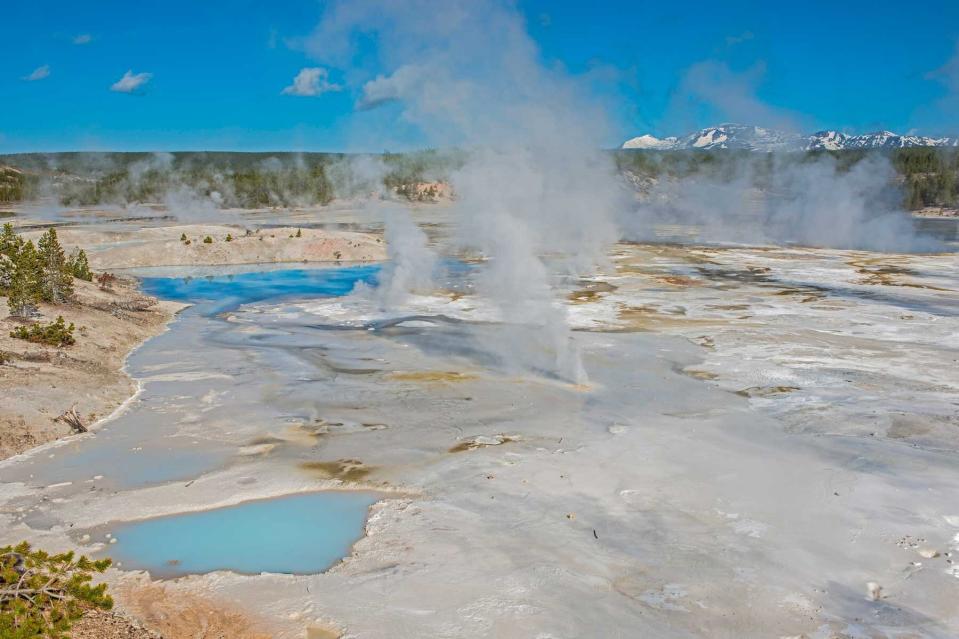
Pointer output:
x,y
218,69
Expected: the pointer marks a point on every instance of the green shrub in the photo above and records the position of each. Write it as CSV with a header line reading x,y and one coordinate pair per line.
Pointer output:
x,y
299,233
53,334
229,238
41,595
183,237
208,240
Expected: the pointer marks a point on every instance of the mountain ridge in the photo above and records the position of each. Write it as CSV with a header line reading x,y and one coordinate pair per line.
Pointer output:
x,y
754,138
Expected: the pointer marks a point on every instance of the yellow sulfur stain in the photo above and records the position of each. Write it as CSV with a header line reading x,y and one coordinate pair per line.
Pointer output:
x,y
431,377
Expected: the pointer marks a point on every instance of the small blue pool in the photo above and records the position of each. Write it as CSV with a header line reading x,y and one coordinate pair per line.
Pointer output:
x,y
296,534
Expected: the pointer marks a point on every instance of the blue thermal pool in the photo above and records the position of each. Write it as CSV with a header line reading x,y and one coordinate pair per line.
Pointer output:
x,y
296,534
228,291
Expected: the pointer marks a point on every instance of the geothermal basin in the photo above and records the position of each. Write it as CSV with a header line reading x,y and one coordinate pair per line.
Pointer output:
x,y
764,431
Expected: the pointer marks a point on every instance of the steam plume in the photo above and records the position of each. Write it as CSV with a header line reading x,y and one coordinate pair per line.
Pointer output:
x,y
786,199
534,182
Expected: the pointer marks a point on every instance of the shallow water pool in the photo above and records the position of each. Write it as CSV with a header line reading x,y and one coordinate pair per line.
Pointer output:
x,y
173,431
295,534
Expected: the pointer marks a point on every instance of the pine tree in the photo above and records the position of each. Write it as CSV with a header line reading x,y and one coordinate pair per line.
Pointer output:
x,y
56,280
23,293
80,266
10,244
41,595
7,269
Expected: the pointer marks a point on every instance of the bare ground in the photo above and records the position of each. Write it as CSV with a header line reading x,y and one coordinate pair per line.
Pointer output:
x,y
164,246
152,611
176,615
38,382
100,624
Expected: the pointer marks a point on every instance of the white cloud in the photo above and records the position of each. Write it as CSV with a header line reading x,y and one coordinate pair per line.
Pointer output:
x,y
311,81
83,38
130,82
387,88
38,74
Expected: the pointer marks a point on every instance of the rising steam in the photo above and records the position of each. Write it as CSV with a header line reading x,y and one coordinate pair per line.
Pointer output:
x,y
785,199
534,183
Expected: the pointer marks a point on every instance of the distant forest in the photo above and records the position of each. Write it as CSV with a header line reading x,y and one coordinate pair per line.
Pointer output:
x,y
242,180
926,176
16,186
930,176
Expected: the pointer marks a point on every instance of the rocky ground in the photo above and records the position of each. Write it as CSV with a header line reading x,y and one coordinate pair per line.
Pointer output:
x,y
99,624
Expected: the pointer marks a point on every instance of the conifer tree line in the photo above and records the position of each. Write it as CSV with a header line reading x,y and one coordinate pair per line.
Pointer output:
x,y
927,176
30,274
16,186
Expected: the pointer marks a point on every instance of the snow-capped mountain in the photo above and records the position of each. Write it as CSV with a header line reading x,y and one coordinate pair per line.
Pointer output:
x,y
651,142
754,138
724,136
879,140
